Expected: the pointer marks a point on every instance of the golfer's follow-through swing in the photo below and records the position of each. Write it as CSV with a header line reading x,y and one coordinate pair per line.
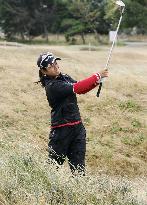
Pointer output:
x,y
67,137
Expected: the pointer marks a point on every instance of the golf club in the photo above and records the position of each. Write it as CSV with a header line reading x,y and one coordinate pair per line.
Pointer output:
x,y
122,8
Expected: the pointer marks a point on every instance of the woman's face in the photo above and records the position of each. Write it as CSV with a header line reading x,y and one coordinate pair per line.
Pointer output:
x,y
52,70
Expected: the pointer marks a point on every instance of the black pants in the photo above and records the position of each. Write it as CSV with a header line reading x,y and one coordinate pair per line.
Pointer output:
x,y
70,142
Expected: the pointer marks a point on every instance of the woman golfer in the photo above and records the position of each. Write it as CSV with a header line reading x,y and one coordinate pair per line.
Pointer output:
x,y
67,137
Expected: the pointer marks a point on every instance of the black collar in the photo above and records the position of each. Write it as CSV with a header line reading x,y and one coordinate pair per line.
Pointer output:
x,y
59,77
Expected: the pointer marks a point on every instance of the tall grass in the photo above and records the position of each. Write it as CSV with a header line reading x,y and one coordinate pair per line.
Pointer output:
x,y
29,179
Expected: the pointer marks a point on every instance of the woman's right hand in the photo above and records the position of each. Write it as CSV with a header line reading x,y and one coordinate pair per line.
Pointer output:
x,y
104,73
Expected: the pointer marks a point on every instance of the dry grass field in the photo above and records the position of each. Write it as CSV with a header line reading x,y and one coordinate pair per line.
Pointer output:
x,y
116,158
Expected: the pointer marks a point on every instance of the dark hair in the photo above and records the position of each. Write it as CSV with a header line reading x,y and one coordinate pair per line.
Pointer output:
x,y
41,78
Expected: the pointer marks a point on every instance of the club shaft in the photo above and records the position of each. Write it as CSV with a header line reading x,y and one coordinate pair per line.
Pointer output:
x,y
110,53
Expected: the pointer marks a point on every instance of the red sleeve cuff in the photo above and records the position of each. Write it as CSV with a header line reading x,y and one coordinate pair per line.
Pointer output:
x,y
87,84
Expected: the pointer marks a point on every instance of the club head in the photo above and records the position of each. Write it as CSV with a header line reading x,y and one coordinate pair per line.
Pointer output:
x,y
120,3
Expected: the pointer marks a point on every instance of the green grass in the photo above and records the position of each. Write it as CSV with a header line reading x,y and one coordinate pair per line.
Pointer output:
x,y
133,140
130,106
135,123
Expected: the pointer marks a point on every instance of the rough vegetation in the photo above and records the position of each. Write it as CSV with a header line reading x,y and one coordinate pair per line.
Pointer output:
x,y
116,130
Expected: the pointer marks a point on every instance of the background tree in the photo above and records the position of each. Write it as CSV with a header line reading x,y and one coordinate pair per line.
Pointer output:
x,y
29,18
134,17
85,16
48,16
14,18
26,19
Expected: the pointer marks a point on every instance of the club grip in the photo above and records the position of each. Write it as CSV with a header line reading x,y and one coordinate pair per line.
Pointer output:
x,y
99,90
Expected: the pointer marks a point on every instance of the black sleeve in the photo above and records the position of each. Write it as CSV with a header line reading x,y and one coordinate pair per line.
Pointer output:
x,y
61,89
70,79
